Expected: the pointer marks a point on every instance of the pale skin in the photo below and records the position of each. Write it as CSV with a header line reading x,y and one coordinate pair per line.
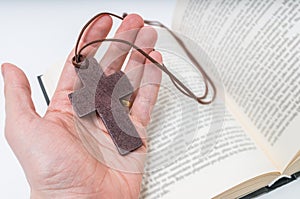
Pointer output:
x,y
55,162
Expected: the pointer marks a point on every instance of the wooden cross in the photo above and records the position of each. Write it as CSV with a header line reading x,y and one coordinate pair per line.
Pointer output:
x,y
103,94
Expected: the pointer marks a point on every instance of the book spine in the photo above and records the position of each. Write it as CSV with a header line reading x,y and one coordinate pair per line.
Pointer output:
x,y
281,182
43,89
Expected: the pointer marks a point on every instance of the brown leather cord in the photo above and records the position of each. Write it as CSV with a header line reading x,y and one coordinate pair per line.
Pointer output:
x,y
78,58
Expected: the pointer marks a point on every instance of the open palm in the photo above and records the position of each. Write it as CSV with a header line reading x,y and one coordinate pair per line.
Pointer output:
x,y
49,148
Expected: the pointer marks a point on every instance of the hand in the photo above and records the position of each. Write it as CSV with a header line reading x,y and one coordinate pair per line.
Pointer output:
x,y
56,163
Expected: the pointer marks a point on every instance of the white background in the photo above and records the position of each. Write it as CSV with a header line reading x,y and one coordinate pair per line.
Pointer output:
x,y
36,35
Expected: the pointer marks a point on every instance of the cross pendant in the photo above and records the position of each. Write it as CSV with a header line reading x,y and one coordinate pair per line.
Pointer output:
x,y
103,94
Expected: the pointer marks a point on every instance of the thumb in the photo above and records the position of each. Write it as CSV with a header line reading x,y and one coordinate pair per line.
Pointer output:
x,y
19,107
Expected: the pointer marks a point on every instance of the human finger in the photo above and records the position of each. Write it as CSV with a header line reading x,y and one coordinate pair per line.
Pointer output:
x,y
97,30
19,107
115,55
18,102
148,91
145,40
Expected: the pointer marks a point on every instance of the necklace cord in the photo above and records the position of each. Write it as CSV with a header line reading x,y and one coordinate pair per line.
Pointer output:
x,y
78,58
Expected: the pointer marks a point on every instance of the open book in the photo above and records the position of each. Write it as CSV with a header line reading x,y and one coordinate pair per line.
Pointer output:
x,y
255,47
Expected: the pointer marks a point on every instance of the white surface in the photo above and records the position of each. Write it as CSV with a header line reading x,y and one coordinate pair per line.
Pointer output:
x,y
36,35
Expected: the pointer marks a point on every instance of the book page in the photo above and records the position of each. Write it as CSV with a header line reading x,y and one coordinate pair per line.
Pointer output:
x,y
256,47
195,172
189,141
